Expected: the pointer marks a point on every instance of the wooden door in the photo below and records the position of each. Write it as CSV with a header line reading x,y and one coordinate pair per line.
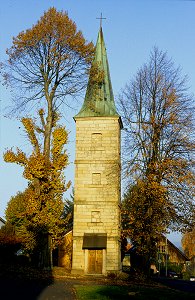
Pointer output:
x,y
95,261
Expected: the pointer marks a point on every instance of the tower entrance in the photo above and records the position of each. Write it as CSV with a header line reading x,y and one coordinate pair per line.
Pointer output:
x,y
95,261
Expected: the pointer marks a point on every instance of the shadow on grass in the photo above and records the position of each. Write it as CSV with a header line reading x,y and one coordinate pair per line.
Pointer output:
x,y
129,292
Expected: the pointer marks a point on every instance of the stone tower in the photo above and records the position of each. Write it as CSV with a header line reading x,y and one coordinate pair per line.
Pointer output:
x,y
96,230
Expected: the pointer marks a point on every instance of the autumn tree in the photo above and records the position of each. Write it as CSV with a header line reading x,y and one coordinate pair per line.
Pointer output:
x,y
17,215
188,243
46,64
38,211
68,211
20,214
158,117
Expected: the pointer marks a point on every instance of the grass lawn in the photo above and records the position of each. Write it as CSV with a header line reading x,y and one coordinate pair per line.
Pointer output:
x,y
103,292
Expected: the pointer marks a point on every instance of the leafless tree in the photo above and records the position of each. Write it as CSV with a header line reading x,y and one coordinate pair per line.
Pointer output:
x,y
159,137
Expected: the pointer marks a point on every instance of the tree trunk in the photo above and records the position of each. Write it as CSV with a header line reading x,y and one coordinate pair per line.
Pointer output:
x,y
45,257
45,260
48,130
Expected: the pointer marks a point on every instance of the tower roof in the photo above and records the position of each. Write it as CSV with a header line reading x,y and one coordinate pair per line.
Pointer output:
x,y
99,99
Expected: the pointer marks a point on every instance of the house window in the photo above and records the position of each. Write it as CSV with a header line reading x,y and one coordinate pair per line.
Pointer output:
x,y
96,178
96,140
95,217
162,249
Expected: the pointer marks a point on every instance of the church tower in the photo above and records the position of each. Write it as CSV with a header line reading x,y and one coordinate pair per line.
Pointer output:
x,y
96,230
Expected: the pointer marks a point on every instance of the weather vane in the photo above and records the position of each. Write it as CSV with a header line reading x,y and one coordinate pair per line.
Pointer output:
x,y
101,18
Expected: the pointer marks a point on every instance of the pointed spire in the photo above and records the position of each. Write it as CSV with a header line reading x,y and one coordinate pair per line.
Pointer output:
x,y
101,18
99,99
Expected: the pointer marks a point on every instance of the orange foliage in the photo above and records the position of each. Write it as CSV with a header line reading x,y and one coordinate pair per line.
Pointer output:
x,y
144,215
49,60
188,243
58,32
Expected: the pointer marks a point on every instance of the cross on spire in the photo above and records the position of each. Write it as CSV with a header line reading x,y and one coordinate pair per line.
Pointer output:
x,y
101,18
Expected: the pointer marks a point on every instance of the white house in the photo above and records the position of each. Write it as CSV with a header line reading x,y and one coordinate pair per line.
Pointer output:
x,y
2,222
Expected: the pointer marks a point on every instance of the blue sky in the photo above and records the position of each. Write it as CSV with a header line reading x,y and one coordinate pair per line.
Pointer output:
x,y
131,30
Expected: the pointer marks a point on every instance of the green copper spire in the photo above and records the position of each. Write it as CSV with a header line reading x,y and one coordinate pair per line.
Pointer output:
x,y
99,99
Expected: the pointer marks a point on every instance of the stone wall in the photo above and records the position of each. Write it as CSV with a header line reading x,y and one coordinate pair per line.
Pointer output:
x,y
97,188
65,252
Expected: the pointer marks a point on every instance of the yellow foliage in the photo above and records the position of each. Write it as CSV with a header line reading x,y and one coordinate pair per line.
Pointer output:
x,y
40,207
30,129
60,137
36,167
19,157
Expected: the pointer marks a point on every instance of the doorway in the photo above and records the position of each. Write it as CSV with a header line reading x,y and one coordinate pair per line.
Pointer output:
x,y
95,261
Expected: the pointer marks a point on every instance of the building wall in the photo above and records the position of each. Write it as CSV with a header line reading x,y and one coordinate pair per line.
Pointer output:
x,y
174,255
2,222
97,188
65,252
